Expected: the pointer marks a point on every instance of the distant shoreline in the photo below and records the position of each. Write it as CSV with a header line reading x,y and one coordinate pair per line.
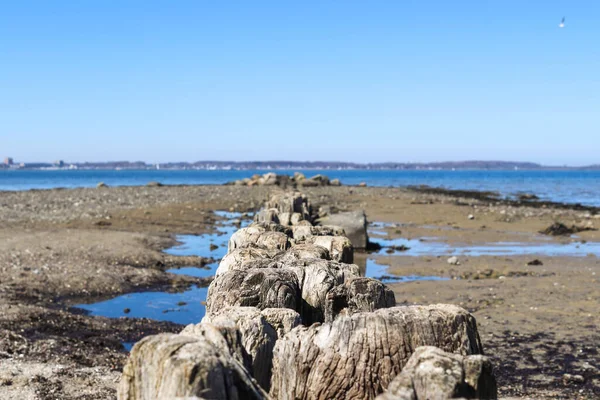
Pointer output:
x,y
288,166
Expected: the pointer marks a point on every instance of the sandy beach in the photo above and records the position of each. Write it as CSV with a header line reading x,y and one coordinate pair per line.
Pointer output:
x,y
538,322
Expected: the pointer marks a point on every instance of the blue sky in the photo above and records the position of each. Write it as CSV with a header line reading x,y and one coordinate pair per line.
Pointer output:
x,y
301,80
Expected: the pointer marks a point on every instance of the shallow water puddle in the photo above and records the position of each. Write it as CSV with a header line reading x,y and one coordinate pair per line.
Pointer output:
x,y
380,272
430,246
212,245
180,307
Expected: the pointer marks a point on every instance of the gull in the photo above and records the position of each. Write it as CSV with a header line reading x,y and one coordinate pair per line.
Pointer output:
x,y
562,23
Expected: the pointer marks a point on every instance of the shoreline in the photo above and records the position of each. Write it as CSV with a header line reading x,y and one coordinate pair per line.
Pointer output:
x,y
484,196
68,247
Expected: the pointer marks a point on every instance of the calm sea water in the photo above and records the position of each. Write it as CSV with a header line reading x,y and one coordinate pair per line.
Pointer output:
x,y
566,186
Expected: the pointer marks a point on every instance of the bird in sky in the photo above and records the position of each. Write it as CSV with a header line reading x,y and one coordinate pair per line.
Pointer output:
x,y
562,23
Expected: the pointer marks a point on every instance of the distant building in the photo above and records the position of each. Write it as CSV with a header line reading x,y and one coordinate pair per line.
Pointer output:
x,y
8,161
59,163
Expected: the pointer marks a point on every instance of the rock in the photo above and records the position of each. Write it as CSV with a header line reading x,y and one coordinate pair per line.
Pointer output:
x,y
471,216
362,184
322,180
154,184
432,373
358,295
258,237
453,260
535,262
298,176
213,247
339,247
101,185
256,287
392,249
335,182
569,379
558,229
308,183
269,179
171,366
354,223
528,197
357,356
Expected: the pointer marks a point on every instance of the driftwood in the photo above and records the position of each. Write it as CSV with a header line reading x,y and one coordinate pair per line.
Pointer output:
x,y
316,278
358,295
432,373
283,320
257,236
272,227
261,288
269,215
354,343
171,366
244,258
339,247
301,232
225,336
357,356
303,251
258,336
256,257
258,330
295,204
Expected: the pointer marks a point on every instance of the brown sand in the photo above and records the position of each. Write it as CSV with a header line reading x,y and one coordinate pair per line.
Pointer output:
x,y
60,247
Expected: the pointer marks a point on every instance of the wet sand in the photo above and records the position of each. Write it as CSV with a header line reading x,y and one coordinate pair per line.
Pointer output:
x,y
63,247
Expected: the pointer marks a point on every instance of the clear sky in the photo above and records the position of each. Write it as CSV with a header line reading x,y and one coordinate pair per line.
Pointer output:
x,y
362,81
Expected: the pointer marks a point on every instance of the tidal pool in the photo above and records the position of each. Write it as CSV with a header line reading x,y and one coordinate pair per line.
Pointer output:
x,y
184,307
431,246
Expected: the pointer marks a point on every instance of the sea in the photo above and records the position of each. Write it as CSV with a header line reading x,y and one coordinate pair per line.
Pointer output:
x,y
567,186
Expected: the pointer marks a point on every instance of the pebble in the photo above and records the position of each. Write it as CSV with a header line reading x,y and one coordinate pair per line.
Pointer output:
x,y
453,261
471,216
570,379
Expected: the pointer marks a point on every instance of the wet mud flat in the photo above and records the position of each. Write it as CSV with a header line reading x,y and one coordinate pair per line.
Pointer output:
x,y
50,262
536,302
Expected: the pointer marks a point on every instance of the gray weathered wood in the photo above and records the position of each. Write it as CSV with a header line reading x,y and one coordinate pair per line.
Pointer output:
x,y
171,366
261,288
357,356
339,247
256,235
358,295
432,373
244,258
301,232
258,337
